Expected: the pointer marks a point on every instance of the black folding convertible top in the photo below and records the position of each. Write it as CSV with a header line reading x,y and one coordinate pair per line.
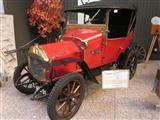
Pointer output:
x,y
101,5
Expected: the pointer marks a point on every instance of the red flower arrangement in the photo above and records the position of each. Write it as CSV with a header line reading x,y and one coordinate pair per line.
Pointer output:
x,y
46,15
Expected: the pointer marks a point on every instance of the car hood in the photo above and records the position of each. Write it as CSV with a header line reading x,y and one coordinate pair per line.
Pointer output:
x,y
61,50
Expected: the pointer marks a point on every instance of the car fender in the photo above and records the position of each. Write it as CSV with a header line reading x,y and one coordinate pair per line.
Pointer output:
x,y
82,64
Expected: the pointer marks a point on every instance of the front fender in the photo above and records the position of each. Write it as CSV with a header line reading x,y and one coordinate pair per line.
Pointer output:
x,y
82,64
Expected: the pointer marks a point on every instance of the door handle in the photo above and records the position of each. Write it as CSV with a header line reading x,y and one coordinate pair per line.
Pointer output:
x,y
121,48
93,52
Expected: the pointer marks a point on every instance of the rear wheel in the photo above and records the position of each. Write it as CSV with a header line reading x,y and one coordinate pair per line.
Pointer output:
x,y
23,80
66,97
128,61
140,52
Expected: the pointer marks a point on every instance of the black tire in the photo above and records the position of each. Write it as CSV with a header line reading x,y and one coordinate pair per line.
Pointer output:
x,y
20,72
56,96
128,60
140,52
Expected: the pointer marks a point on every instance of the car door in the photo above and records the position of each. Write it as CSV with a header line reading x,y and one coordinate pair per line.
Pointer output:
x,y
114,47
117,39
93,52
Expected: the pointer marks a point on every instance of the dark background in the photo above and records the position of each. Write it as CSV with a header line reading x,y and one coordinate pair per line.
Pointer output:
x,y
24,33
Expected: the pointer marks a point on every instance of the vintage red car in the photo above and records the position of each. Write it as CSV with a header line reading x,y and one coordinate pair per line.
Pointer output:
x,y
59,70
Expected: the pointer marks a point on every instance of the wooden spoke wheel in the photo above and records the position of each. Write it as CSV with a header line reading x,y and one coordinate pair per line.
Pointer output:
x,y
23,80
140,52
66,97
132,65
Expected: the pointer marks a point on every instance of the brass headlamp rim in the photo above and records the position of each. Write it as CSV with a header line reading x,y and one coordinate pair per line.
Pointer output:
x,y
38,50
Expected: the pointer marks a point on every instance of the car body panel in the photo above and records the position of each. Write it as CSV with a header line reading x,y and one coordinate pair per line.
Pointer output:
x,y
99,50
94,42
61,50
114,47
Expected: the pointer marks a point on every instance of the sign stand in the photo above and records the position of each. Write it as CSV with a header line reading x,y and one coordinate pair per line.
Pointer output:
x,y
155,31
115,79
155,37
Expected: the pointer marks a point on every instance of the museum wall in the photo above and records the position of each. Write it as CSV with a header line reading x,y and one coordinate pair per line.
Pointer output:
x,y
23,32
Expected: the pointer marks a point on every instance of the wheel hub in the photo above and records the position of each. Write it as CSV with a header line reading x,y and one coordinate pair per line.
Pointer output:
x,y
69,98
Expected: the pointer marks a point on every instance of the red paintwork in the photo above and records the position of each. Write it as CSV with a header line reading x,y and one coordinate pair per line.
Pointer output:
x,y
110,49
61,50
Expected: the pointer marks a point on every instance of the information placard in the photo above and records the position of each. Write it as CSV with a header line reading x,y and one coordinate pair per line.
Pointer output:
x,y
115,79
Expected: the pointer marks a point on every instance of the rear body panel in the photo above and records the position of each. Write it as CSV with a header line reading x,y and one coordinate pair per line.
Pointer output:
x,y
114,47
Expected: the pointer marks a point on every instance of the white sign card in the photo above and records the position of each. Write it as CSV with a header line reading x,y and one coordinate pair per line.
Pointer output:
x,y
115,79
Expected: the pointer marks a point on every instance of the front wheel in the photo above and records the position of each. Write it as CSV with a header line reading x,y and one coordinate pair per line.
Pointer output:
x,y
66,97
23,80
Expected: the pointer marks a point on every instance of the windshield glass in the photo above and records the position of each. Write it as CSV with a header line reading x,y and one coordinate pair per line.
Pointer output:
x,y
92,17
